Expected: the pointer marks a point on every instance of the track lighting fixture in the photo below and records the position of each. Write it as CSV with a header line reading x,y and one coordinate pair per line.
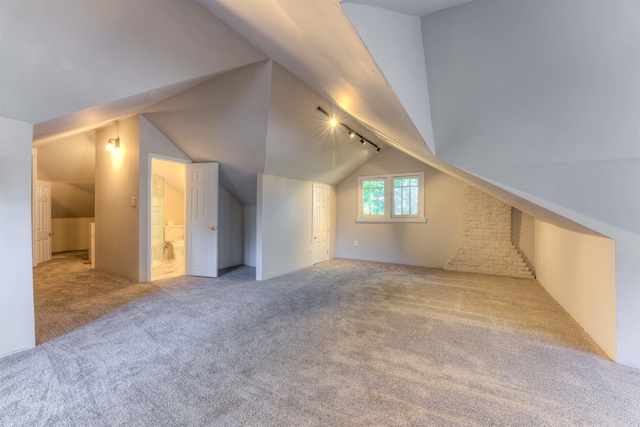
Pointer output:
x,y
333,122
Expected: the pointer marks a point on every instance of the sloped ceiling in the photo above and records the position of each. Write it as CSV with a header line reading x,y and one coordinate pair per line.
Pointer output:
x,y
261,119
222,120
412,7
68,63
300,143
66,56
69,164
315,41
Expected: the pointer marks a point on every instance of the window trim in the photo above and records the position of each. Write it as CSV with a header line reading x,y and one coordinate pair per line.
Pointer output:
x,y
388,199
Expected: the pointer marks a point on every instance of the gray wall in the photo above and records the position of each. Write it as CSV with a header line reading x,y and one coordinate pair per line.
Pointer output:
x,y
284,225
230,235
250,235
427,244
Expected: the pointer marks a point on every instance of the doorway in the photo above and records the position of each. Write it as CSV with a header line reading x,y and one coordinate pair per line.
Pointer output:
x,y
320,223
167,218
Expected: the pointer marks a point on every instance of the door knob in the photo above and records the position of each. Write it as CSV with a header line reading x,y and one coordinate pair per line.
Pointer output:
x,y
51,233
213,228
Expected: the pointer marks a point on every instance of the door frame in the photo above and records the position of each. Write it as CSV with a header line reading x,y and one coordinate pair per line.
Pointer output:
x,y
152,156
313,217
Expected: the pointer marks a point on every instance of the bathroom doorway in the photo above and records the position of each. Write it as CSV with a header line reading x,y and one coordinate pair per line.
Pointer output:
x,y
167,211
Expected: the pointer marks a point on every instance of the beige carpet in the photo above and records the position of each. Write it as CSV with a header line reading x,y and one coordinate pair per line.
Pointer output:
x,y
342,343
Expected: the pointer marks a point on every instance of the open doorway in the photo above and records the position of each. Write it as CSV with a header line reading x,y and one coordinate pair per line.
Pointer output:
x,y
167,218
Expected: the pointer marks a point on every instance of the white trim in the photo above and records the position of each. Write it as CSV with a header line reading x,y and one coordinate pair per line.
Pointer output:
x,y
392,219
34,179
313,212
388,199
420,176
152,156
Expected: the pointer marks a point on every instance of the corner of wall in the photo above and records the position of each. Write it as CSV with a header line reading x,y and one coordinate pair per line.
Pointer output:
x,y
17,323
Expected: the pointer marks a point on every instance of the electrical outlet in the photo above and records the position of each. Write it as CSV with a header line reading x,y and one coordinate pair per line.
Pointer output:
x,y
355,243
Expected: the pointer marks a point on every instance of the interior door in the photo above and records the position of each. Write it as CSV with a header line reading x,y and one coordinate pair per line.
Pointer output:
x,y
43,221
320,223
201,220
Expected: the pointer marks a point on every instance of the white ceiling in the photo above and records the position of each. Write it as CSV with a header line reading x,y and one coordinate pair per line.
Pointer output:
x,y
412,7
315,41
69,63
66,56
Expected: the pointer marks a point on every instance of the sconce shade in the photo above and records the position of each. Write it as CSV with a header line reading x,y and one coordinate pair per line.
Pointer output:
x,y
113,144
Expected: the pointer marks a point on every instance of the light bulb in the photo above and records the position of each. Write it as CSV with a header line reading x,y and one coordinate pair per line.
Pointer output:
x,y
333,122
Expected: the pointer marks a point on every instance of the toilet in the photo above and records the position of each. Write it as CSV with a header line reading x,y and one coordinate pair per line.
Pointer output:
x,y
174,235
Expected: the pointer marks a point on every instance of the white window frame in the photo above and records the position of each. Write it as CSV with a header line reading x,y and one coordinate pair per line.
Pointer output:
x,y
388,199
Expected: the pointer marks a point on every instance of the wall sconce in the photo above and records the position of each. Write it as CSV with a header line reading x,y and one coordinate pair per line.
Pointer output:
x,y
113,144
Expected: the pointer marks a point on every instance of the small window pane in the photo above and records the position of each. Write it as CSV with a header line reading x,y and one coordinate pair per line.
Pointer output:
x,y
405,196
414,200
373,197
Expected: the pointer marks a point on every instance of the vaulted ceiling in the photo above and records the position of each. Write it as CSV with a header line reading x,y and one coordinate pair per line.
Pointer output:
x,y
417,75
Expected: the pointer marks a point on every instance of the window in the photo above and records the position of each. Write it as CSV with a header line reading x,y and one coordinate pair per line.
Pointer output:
x,y
391,198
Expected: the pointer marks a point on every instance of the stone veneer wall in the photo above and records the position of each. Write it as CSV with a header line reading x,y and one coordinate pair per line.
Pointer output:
x,y
486,245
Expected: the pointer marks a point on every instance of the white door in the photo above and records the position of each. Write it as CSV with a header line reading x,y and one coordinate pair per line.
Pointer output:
x,y
157,220
201,220
320,223
43,221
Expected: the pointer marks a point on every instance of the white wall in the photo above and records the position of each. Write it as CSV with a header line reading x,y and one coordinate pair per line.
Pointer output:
x,y
578,270
231,227
541,98
70,234
117,181
17,325
284,227
250,232
427,244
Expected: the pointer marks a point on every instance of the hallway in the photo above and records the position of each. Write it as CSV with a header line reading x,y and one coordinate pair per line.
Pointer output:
x,y
68,293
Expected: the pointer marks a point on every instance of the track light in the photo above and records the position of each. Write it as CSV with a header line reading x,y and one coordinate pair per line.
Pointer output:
x,y
352,134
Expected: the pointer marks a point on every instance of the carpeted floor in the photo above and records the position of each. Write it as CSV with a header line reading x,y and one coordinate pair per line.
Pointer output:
x,y
343,343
